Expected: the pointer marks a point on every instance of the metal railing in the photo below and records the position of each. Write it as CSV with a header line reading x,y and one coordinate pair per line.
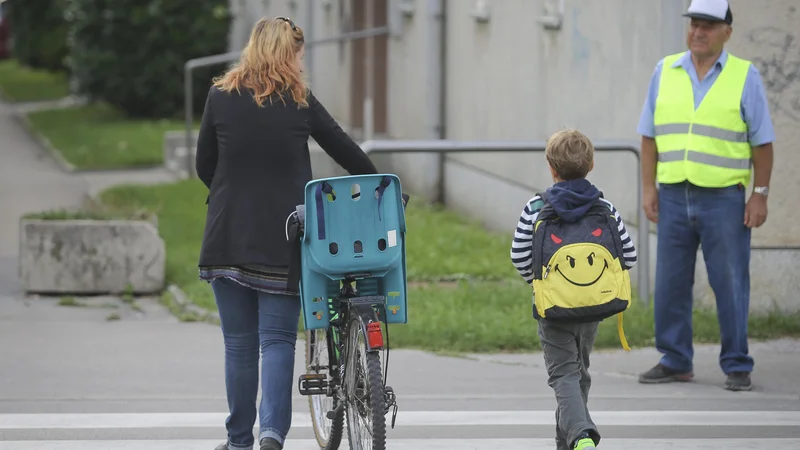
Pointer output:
x,y
205,61
446,147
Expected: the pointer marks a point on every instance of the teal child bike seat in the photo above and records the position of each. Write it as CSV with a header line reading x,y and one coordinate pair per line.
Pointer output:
x,y
354,226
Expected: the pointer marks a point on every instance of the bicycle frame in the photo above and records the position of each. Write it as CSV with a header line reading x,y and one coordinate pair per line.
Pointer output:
x,y
347,315
368,309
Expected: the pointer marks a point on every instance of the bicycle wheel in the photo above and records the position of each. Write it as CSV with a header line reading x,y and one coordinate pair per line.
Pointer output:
x,y
366,407
327,431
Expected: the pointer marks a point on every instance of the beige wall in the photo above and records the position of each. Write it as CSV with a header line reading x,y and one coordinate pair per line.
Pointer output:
x,y
512,79
768,33
330,62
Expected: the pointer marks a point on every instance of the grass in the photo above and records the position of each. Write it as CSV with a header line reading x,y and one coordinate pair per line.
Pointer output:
x,y
447,246
97,136
496,316
22,84
70,301
487,310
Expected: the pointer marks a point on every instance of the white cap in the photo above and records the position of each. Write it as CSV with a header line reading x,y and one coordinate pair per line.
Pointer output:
x,y
714,10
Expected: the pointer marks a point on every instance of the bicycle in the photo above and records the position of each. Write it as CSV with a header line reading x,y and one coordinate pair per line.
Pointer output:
x,y
345,302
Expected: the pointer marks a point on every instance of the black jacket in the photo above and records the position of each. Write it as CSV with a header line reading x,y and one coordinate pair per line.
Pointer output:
x,y
255,162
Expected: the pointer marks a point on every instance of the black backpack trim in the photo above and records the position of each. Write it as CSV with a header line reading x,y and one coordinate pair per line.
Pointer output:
x,y
548,213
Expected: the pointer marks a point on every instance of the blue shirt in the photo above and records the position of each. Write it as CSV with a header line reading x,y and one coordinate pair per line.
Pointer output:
x,y
755,109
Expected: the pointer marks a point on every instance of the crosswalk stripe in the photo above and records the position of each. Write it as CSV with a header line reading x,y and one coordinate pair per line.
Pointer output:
x,y
410,418
416,444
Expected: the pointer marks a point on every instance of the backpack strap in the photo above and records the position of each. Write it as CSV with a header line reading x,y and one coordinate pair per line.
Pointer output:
x,y
539,204
538,235
546,210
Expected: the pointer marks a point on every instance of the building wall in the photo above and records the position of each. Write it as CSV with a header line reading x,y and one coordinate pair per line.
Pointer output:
x,y
768,33
329,63
512,79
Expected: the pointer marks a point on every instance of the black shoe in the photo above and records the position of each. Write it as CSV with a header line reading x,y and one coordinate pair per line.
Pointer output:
x,y
223,446
738,381
269,443
663,374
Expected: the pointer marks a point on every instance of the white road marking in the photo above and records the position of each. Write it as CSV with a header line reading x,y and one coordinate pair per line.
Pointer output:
x,y
415,444
411,419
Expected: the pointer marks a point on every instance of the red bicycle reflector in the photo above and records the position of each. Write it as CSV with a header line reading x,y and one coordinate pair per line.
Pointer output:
x,y
374,335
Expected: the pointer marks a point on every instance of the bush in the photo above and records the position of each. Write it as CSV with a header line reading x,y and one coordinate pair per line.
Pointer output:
x,y
131,53
40,33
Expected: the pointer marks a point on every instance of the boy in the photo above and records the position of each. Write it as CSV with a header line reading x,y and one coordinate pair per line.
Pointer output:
x,y
576,286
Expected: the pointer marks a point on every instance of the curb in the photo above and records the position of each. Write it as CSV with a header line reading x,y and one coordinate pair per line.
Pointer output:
x,y
184,304
49,150
44,143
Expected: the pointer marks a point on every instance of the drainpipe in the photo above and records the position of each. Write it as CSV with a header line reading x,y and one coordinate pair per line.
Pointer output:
x,y
309,36
367,127
435,99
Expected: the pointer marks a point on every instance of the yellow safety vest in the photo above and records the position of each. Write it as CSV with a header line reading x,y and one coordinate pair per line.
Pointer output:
x,y
707,147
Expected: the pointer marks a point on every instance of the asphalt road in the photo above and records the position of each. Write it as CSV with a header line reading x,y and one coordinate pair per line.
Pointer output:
x,y
72,379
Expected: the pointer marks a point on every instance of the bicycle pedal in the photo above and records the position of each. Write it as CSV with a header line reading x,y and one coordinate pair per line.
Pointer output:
x,y
391,402
394,415
388,396
313,384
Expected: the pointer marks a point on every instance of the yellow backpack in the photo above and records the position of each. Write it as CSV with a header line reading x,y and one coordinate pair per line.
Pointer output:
x,y
579,273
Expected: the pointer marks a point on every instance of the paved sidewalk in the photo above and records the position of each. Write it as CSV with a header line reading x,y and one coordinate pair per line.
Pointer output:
x,y
775,372
149,382
29,181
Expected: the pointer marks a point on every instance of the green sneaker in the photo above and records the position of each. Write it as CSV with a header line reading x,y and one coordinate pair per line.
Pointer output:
x,y
584,444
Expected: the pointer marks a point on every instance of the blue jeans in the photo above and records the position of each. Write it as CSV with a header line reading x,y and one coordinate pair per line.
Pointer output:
x,y
250,320
714,218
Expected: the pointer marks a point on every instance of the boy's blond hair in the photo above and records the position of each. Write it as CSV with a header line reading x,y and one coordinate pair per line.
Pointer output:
x,y
570,153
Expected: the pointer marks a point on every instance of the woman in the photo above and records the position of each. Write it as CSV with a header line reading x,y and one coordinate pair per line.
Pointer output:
x,y
252,154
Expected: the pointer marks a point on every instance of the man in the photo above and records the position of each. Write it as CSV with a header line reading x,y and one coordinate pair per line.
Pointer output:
x,y
705,124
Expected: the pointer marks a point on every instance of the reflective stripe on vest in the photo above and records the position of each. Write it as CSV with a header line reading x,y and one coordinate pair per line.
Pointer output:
x,y
708,146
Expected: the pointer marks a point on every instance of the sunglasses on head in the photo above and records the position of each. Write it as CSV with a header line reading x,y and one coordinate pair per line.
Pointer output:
x,y
289,21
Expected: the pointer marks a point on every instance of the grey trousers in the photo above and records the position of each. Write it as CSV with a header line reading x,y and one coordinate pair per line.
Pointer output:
x,y
566,348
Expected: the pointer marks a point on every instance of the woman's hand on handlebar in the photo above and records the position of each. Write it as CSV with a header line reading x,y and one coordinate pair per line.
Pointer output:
x,y
405,199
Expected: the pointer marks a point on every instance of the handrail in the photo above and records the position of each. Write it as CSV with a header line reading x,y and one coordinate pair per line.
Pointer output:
x,y
211,60
448,146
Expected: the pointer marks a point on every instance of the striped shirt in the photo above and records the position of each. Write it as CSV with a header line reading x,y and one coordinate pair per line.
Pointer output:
x,y
522,246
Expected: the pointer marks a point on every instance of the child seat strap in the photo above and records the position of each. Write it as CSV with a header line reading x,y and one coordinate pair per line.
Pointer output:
x,y
385,182
326,188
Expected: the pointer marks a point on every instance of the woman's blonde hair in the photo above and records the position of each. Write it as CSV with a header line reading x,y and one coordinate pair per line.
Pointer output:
x,y
268,63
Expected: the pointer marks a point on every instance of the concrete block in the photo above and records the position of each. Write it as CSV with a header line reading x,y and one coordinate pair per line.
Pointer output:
x,y
175,153
91,256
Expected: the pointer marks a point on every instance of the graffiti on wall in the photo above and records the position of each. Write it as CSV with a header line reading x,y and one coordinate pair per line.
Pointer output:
x,y
777,56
